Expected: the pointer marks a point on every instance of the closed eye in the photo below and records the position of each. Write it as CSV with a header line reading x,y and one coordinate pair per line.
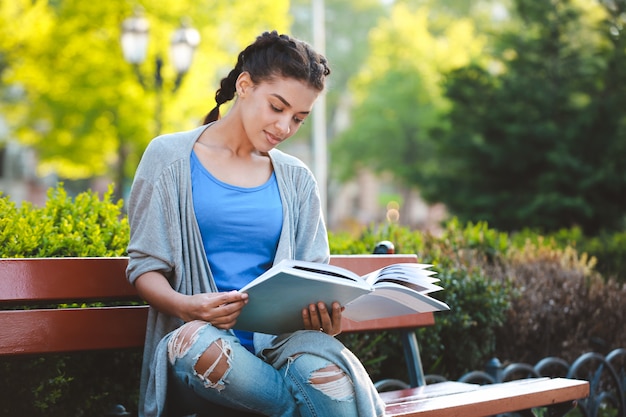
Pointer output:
x,y
297,120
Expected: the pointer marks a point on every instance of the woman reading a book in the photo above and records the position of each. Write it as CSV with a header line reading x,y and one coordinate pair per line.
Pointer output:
x,y
210,210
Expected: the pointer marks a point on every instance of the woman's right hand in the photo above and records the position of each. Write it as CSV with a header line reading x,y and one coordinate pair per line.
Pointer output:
x,y
220,309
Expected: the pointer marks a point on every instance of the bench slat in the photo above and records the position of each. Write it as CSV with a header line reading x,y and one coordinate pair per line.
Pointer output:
x,y
75,329
42,280
485,400
35,281
363,264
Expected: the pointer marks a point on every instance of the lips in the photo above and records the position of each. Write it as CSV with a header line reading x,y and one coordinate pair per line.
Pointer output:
x,y
273,139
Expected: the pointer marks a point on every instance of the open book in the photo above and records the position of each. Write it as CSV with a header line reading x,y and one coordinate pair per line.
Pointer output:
x,y
277,297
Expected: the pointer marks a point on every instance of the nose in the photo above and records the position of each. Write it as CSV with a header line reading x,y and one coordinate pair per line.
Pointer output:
x,y
283,125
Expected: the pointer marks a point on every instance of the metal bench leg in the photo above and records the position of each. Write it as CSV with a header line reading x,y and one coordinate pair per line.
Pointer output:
x,y
412,356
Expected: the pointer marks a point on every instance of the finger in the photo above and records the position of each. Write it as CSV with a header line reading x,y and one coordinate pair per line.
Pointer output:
x,y
233,308
337,309
325,320
306,319
316,323
231,297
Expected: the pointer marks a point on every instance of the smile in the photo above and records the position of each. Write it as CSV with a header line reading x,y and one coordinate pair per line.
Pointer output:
x,y
274,140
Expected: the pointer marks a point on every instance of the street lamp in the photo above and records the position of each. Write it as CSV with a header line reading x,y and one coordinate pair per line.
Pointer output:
x,y
134,40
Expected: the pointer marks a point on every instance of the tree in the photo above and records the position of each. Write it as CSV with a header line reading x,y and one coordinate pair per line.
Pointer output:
x,y
542,143
81,106
398,99
347,23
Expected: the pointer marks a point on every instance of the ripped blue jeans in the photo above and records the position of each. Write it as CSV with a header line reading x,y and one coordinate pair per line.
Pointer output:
x,y
211,371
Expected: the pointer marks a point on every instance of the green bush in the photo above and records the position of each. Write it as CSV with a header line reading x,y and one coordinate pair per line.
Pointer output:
x,y
463,338
84,226
518,297
77,384
608,248
565,307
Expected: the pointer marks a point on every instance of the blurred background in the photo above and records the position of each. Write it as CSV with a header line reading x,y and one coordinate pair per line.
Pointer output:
x,y
511,112
488,137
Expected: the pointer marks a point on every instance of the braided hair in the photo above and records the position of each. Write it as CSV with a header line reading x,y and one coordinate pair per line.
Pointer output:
x,y
273,55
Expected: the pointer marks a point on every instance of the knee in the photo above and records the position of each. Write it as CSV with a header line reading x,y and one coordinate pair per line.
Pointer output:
x,y
333,382
212,365
326,377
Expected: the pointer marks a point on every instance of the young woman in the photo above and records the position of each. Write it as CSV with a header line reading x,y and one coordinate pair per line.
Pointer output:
x,y
211,209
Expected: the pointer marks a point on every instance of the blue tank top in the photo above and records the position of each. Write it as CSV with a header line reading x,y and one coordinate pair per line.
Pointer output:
x,y
240,228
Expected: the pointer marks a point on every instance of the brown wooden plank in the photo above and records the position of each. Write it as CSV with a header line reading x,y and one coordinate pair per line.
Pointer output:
x,y
81,279
409,321
76,329
363,264
64,279
493,399
427,391
53,279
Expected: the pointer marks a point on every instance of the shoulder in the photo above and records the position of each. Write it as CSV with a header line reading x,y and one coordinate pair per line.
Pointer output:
x,y
168,149
293,174
174,144
282,160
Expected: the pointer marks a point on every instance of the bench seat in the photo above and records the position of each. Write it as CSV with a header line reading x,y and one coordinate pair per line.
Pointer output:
x,y
459,399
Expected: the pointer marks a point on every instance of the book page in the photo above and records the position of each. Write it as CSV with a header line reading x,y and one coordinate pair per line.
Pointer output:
x,y
411,272
391,300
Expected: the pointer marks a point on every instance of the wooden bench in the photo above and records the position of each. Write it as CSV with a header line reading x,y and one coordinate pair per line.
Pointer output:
x,y
37,331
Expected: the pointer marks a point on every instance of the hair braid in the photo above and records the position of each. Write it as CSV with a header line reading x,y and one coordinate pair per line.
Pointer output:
x,y
273,55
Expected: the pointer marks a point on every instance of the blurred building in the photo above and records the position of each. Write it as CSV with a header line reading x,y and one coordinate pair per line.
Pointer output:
x,y
18,174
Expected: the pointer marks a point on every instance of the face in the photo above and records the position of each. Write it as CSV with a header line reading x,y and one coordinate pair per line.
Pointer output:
x,y
273,111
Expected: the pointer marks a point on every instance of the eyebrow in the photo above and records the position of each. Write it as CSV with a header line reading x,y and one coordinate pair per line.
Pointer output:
x,y
286,103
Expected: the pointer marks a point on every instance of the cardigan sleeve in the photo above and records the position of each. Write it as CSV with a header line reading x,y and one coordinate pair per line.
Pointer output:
x,y
153,219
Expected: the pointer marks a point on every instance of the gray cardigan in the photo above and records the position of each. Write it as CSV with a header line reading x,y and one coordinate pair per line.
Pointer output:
x,y
165,237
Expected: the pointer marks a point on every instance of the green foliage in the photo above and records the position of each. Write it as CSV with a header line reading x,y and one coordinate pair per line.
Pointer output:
x,y
610,251
71,95
564,308
78,384
344,47
463,338
538,142
83,226
607,249
518,297
398,97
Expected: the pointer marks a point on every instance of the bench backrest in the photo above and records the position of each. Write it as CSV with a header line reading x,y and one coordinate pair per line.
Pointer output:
x,y
30,289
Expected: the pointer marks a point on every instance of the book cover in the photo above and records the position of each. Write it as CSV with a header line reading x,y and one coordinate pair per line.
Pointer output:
x,y
277,297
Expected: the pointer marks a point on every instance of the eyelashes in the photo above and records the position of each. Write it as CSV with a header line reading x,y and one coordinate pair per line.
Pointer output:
x,y
296,120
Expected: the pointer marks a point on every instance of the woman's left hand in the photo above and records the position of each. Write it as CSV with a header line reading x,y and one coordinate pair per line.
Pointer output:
x,y
317,317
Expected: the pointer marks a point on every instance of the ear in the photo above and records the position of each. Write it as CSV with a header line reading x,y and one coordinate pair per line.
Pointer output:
x,y
243,83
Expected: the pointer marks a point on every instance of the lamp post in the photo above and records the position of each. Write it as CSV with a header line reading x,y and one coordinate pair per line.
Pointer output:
x,y
134,41
320,158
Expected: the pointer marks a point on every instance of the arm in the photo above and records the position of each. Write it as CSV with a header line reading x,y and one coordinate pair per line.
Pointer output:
x,y
219,309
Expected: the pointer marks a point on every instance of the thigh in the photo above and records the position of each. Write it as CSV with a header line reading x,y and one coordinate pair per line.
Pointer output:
x,y
209,366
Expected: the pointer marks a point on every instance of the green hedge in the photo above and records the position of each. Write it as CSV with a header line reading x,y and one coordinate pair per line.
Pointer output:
x,y
87,225
77,384
519,297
